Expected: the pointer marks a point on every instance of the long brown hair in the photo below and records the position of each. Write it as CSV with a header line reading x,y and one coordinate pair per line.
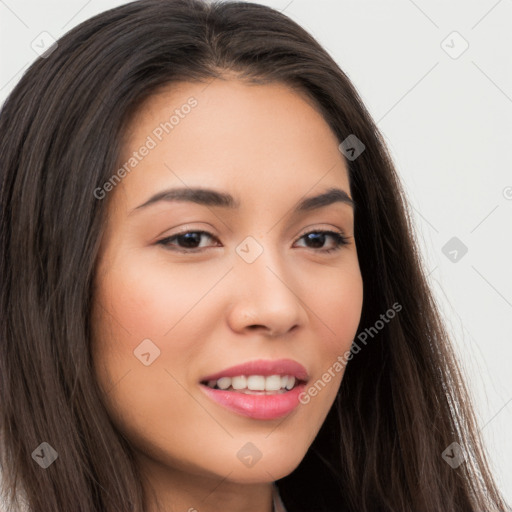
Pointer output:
x,y
402,401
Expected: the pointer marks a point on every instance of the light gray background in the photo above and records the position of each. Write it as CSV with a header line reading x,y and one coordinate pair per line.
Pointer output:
x,y
448,124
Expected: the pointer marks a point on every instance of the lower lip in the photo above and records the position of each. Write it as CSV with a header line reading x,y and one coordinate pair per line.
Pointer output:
x,y
258,407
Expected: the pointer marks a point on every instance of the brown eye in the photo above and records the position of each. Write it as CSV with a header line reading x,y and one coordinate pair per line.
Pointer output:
x,y
186,241
317,239
190,241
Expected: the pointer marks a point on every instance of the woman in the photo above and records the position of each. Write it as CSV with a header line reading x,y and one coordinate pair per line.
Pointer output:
x,y
293,361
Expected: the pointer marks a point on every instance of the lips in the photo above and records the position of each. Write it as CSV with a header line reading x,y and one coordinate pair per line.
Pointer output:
x,y
259,404
263,367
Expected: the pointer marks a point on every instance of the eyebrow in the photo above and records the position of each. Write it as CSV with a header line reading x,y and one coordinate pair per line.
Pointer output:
x,y
210,197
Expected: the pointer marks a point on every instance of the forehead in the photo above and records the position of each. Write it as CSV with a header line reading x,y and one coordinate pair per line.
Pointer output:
x,y
231,135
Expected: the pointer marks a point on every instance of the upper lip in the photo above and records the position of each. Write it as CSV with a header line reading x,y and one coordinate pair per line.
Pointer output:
x,y
263,367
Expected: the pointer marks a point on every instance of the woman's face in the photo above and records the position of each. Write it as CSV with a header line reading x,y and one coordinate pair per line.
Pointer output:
x,y
170,311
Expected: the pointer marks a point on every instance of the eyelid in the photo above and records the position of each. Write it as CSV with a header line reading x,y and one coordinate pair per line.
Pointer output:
x,y
315,227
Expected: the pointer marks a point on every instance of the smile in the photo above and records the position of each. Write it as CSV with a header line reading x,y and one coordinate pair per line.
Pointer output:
x,y
262,390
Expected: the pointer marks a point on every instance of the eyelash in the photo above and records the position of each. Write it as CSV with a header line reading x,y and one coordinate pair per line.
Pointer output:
x,y
339,238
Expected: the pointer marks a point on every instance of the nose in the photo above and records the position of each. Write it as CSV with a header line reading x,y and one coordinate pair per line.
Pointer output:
x,y
267,297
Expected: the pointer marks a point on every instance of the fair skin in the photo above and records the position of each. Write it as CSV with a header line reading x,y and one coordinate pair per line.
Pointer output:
x,y
269,148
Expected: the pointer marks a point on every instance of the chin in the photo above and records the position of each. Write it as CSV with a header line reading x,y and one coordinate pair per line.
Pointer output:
x,y
265,471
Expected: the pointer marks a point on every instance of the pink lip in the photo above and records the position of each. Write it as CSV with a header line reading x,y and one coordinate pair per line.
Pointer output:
x,y
263,367
259,407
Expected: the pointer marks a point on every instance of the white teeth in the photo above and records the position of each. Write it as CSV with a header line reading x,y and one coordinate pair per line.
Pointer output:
x,y
273,383
239,382
290,383
254,383
224,382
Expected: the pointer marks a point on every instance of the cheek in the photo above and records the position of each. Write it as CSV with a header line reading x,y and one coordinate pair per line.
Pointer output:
x,y
139,300
338,305
149,298
335,302
133,303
